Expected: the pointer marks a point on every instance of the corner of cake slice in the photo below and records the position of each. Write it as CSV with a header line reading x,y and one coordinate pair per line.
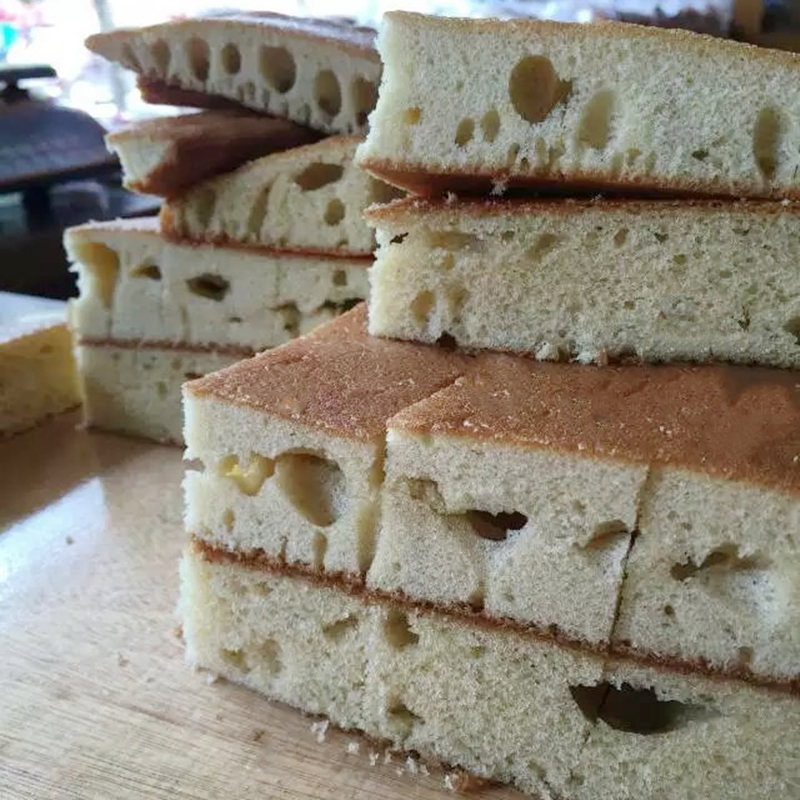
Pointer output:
x,y
292,443
593,280
649,509
479,105
308,199
320,73
167,155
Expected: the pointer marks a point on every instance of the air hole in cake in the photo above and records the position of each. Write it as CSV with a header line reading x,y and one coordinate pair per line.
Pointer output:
x,y
364,95
233,658
511,156
228,519
447,342
334,212
149,271
198,55
258,212
629,305
661,237
161,54
129,58
103,265
380,192
477,599
340,278
722,559
545,242
594,128
669,611
679,260
465,132
793,327
192,376
399,239
422,305
336,630
203,207
490,125
507,236
620,237
315,486
477,652
327,92
700,155
264,656
766,141
402,717
249,476
319,548
606,533
231,59
745,656
535,89
412,116
638,711
397,630
456,241
495,527
317,175
161,390
212,287
277,68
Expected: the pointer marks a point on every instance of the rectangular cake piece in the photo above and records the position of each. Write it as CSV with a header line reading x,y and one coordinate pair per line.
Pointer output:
x,y
593,280
479,105
309,199
37,370
320,73
292,443
134,388
652,508
167,155
134,286
503,705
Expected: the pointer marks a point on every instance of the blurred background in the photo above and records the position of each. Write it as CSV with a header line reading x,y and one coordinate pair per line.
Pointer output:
x,y
57,100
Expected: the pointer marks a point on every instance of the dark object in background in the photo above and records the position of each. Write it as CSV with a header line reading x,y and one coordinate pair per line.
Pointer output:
x,y
44,150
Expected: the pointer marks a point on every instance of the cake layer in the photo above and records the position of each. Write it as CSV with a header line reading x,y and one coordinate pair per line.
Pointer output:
x,y
320,73
292,442
309,199
37,371
503,705
136,286
652,507
479,105
132,388
593,281
167,155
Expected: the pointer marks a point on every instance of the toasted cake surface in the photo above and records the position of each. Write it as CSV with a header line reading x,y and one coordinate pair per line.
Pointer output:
x,y
592,280
165,156
467,104
318,73
307,199
735,422
339,378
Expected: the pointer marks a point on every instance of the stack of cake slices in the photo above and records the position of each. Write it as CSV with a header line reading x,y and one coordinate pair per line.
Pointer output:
x,y
582,579
261,235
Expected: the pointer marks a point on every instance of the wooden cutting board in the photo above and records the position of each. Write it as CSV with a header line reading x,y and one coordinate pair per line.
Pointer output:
x,y
95,698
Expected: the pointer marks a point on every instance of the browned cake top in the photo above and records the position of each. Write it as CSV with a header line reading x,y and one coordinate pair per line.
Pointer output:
x,y
734,422
338,378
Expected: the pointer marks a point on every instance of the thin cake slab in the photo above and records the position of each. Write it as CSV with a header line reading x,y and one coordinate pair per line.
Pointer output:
x,y
484,105
292,443
135,286
167,155
308,199
593,280
319,73
649,508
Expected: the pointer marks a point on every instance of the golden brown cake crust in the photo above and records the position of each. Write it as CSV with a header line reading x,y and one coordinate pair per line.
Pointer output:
x,y
338,378
207,144
353,584
739,423
421,180
158,344
162,93
350,38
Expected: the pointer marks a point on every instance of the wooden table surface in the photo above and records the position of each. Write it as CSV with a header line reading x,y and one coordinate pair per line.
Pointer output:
x,y
95,698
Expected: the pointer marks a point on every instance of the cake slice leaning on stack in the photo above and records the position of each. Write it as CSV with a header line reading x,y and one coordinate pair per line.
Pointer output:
x,y
474,620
